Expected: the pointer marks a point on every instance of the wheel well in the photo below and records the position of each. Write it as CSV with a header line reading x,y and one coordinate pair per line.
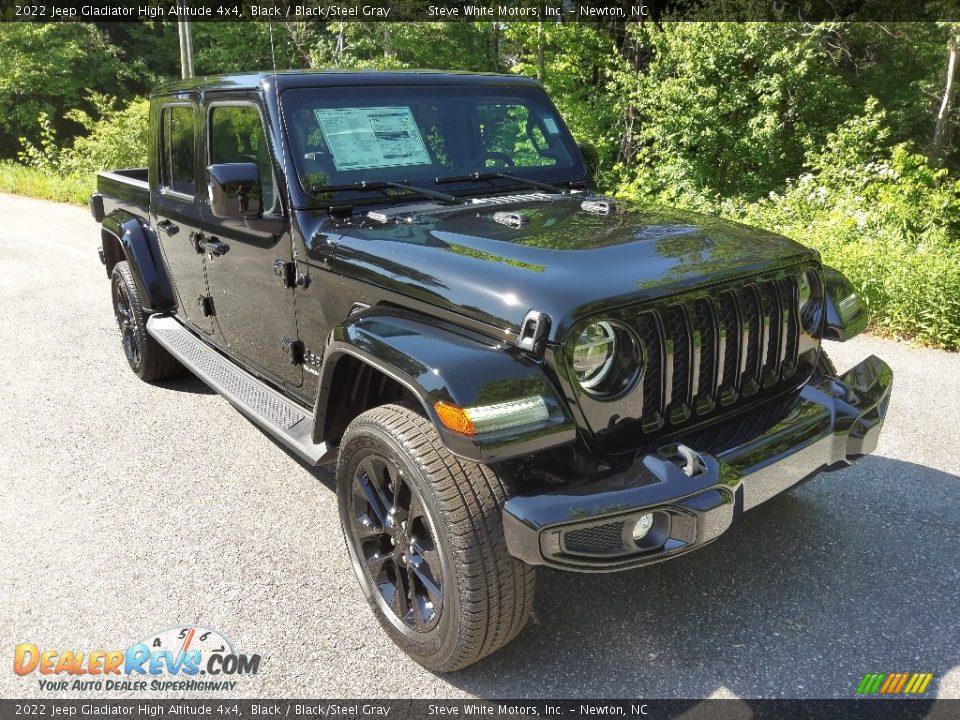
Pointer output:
x,y
112,250
356,387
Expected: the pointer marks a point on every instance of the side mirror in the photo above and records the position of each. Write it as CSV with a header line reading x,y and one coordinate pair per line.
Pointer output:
x,y
235,191
590,156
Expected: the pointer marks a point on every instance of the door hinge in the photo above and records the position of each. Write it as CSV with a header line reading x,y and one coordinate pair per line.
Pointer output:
x,y
287,272
206,305
293,348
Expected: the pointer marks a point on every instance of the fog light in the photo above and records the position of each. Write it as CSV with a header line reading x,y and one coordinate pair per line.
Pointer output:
x,y
642,527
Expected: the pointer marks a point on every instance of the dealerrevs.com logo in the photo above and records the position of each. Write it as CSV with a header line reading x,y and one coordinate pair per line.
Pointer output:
x,y
179,658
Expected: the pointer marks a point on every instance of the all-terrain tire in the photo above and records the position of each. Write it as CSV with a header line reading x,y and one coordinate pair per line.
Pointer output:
x,y
487,594
146,357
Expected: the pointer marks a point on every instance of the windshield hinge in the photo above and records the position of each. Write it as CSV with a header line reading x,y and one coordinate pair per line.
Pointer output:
x,y
533,332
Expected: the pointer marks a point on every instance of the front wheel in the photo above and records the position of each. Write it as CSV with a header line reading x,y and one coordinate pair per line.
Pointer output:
x,y
424,532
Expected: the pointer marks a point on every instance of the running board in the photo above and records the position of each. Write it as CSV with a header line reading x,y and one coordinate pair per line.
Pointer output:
x,y
286,421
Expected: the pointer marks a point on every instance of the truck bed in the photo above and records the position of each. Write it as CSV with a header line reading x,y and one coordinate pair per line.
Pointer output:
x,y
125,189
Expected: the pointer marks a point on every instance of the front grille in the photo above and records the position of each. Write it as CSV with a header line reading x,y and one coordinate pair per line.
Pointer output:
x,y
716,348
703,352
597,540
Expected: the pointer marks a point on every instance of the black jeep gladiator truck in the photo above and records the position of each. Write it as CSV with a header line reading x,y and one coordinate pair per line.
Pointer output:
x,y
411,274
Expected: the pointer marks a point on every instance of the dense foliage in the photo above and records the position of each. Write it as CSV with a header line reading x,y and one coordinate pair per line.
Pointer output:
x,y
827,133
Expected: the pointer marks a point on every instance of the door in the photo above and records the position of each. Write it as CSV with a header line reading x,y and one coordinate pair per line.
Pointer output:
x,y
176,209
254,310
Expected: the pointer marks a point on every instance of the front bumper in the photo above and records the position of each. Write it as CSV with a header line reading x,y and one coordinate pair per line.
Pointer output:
x,y
589,528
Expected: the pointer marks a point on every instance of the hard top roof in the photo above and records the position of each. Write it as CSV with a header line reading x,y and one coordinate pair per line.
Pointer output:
x,y
286,79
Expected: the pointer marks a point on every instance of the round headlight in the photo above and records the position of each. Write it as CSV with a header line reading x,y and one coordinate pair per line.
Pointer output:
x,y
808,298
593,354
606,359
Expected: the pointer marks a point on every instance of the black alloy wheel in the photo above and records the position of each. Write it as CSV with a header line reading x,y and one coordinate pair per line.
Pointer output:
x,y
146,357
424,530
128,331
395,540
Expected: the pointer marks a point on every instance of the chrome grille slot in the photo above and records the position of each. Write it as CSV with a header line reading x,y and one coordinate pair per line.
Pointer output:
x,y
750,366
706,336
678,343
791,326
650,337
730,322
770,304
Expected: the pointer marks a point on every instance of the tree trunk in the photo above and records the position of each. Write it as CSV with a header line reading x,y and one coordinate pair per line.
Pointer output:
x,y
388,50
632,49
300,38
943,131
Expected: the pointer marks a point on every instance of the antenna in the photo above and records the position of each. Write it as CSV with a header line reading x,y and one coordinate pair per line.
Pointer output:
x,y
273,55
186,49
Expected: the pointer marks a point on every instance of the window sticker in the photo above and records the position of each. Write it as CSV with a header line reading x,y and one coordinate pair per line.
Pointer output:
x,y
372,137
551,125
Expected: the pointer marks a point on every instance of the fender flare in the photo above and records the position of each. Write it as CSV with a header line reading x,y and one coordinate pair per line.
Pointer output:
x,y
142,251
442,363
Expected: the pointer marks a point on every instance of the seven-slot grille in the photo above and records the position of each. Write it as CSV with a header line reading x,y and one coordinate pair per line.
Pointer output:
x,y
715,348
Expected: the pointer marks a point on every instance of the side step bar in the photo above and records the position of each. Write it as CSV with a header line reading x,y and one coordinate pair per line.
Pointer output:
x,y
286,421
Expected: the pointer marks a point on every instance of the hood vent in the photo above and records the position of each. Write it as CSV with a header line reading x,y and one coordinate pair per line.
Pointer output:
x,y
598,207
510,219
406,218
510,199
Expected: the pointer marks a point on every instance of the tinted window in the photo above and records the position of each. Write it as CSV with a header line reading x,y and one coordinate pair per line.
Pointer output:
x,y
510,137
236,135
177,135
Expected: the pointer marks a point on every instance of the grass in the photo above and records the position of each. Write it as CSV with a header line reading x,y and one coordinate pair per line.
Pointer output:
x,y
22,180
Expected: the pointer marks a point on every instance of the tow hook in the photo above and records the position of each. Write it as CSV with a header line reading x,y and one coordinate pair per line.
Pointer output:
x,y
693,463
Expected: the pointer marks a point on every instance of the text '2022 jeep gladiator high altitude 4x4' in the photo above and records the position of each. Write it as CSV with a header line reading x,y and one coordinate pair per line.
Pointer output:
x,y
411,275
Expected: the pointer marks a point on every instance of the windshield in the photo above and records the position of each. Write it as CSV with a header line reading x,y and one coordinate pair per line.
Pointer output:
x,y
416,134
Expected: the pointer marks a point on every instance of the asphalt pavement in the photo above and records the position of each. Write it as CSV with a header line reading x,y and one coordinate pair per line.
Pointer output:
x,y
127,508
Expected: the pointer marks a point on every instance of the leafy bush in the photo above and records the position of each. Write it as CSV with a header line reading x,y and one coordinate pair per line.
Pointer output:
x,y
117,139
883,217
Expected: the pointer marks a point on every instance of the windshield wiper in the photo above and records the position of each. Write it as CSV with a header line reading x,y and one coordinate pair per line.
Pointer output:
x,y
364,185
492,175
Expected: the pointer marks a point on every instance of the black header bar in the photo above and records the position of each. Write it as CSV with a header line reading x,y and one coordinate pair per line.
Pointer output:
x,y
234,709
590,11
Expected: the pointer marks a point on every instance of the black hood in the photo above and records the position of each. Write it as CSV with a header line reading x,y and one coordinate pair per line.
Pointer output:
x,y
562,260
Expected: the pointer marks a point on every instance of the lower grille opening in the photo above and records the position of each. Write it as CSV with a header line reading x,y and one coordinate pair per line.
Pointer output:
x,y
597,540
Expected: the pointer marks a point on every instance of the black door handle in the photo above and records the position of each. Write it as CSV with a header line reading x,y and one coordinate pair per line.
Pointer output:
x,y
169,227
213,246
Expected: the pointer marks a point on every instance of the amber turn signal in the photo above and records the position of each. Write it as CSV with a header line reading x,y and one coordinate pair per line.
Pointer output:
x,y
454,418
